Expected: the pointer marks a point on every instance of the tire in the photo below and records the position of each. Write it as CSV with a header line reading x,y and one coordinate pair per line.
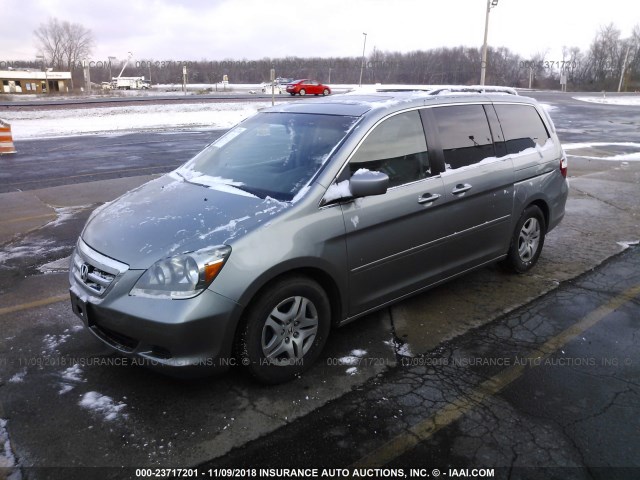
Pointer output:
x,y
303,92
325,92
527,241
293,94
285,329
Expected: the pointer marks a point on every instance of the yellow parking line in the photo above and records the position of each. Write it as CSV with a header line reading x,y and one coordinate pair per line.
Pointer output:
x,y
456,409
36,303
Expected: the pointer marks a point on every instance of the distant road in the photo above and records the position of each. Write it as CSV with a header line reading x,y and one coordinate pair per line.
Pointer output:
x,y
151,99
84,102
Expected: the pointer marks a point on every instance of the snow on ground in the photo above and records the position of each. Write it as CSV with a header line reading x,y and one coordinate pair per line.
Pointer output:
x,y
28,124
19,377
627,244
64,214
399,348
103,405
32,249
57,266
633,100
7,459
630,156
352,361
70,378
52,342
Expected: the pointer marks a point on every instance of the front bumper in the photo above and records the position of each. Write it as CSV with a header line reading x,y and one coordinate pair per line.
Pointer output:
x,y
181,337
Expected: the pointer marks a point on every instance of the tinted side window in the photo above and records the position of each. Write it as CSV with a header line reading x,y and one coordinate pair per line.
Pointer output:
x,y
464,134
522,126
396,147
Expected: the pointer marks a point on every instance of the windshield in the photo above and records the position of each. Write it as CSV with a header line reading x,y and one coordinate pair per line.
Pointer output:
x,y
270,154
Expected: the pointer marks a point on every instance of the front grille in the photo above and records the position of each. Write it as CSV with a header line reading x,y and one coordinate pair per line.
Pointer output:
x,y
94,270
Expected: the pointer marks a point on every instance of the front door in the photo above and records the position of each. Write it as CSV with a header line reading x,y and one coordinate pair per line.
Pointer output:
x,y
394,240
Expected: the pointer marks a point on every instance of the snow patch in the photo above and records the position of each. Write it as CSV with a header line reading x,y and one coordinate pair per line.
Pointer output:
x,y
399,348
103,405
7,459
628,244
631,156
52,342
28,124
57,266
70,376
404,350
19,377
354,358
64,214
615,100
33,249
338,190
229,227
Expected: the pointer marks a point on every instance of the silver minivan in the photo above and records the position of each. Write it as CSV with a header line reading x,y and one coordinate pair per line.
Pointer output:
x,y
311,214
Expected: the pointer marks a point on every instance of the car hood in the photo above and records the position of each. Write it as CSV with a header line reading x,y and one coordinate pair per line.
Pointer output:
x,y
169,215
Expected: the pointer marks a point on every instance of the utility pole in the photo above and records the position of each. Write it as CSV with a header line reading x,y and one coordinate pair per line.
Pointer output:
x,y
111,59
483,64
624,66
362,66
184,79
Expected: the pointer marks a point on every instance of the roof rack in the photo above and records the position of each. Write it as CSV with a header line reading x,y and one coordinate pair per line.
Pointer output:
x,y
439,89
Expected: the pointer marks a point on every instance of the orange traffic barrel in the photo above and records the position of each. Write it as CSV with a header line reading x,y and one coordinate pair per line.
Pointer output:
x,y
6,140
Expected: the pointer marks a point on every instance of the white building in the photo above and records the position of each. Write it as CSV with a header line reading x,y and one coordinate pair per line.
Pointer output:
x,y
34,81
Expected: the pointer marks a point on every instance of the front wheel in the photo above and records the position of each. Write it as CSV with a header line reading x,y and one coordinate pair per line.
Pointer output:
x,y
527,241
303,92
285,330
325,92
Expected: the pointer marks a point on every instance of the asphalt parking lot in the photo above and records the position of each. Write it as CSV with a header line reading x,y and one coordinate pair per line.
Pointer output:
x,y
68,403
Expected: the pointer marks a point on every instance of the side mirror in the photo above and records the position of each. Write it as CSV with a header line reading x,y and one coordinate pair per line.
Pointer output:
x,y
365,183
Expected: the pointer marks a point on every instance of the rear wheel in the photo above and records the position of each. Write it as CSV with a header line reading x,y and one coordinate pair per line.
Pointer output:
x,y
303,92
527,241
285,330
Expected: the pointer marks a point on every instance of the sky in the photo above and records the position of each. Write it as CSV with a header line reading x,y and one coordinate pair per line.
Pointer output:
x,y
254,29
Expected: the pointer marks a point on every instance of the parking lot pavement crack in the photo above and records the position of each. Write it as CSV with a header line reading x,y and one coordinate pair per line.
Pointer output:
x,y
397,342
254,405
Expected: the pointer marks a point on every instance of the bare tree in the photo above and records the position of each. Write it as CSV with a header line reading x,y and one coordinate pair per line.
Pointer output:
x,y
64,44
51,43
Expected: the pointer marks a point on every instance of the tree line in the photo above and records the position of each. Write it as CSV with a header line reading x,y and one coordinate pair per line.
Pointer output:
x,y
67,46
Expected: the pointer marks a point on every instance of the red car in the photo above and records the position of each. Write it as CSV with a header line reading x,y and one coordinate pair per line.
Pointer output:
x,y
304,87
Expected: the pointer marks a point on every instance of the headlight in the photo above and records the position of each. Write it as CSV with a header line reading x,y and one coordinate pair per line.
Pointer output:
x,y
182,276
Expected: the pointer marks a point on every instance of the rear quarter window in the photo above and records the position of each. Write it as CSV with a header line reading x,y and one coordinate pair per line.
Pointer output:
x,y
522,127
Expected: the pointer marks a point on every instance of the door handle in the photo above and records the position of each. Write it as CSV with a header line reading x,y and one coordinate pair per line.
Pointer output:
x,y
461,188
428,198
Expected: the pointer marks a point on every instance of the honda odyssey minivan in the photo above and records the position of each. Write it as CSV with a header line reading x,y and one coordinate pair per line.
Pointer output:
x,y
311,214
